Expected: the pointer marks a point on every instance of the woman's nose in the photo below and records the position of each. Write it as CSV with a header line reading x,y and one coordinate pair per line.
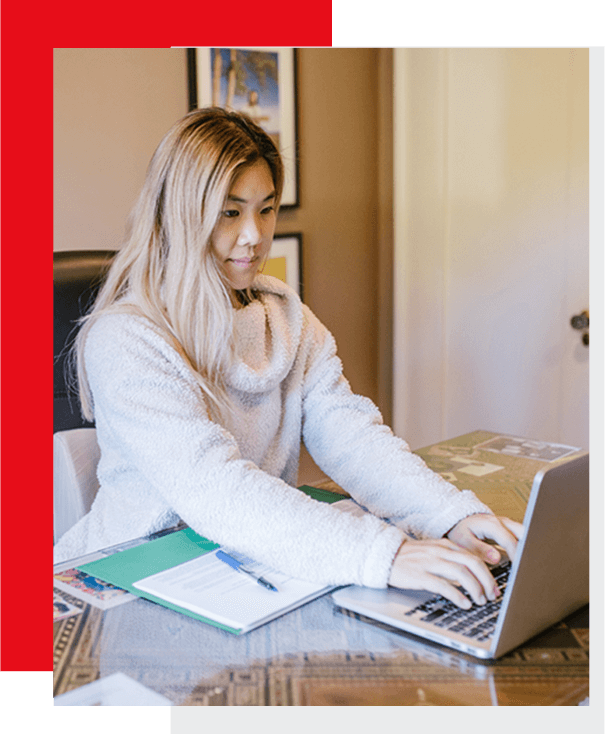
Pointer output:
x,y
250,232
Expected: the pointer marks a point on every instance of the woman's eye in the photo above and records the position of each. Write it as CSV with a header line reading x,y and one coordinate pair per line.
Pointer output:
x,y
267,210
229,213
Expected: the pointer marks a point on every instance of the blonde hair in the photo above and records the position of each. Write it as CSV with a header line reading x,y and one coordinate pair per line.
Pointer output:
x,y
166,269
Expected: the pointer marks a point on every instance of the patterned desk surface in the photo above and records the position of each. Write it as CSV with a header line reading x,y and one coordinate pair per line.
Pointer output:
x,y
320,656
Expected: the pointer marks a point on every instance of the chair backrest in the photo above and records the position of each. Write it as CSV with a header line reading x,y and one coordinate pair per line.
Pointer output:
x,y
77,275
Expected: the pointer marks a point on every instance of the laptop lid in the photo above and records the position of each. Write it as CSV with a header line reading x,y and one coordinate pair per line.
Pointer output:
x,y
548,581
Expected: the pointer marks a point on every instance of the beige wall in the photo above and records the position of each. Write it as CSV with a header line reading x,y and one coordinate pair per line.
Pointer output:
x,y
112,107
342,203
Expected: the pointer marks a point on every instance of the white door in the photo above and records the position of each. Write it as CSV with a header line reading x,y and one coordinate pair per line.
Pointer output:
x,y
491,243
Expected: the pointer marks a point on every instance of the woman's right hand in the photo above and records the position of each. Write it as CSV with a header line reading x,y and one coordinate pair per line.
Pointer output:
x,y
440,566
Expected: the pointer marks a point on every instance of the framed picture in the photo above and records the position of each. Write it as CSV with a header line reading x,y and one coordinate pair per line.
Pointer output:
x,y
285,260
259,81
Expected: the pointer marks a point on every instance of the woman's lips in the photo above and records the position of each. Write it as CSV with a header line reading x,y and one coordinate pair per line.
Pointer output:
x,y
243,262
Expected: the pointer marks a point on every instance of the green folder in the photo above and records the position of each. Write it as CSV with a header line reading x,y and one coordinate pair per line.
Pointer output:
x,y
124,568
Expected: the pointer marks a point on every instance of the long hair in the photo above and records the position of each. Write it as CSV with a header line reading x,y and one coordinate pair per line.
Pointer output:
x,y
166,269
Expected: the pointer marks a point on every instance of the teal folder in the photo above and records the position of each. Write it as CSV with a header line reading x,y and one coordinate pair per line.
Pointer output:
x,y
125,568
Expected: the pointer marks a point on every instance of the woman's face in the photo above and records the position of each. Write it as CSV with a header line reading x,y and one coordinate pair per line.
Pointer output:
x,y
243,234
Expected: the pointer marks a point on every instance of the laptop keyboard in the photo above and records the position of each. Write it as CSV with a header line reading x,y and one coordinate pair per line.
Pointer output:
x,y
477,623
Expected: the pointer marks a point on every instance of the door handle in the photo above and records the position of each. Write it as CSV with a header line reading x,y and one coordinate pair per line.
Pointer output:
x,y
581,322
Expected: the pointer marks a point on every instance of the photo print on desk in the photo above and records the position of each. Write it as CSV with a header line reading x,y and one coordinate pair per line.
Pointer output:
x,y
83,586
527,449
62,609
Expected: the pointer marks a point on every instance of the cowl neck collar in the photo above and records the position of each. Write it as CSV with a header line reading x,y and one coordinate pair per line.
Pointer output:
x,y
267,335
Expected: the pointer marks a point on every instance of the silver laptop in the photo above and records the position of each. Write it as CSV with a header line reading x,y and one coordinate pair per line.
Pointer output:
x,y
547,581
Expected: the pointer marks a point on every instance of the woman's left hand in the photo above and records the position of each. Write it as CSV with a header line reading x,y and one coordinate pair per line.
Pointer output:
x,y
470,532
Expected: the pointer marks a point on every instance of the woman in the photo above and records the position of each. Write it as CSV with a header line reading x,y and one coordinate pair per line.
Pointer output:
x,y
203,376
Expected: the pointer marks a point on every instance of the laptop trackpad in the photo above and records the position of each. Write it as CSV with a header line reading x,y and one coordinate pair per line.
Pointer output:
x,y
389,602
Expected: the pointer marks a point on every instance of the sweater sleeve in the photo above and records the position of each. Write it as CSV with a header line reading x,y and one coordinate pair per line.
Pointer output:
x,y
345,435
148,405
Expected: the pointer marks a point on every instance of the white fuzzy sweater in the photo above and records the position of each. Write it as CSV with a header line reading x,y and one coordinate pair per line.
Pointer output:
x,y
162,458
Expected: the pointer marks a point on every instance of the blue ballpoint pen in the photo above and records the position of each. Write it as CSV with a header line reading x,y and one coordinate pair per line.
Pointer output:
x,y
238,566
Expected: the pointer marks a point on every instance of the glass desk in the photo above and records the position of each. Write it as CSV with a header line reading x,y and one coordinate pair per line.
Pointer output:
x,y
316,655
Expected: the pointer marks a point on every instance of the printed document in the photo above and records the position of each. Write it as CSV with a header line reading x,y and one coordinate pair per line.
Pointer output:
x,y
207,586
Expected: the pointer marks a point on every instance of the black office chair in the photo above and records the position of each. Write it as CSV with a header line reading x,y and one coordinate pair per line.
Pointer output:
x,y
77,276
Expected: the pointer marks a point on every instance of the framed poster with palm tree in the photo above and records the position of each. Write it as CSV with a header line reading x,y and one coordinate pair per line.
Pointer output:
x,y
260,82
